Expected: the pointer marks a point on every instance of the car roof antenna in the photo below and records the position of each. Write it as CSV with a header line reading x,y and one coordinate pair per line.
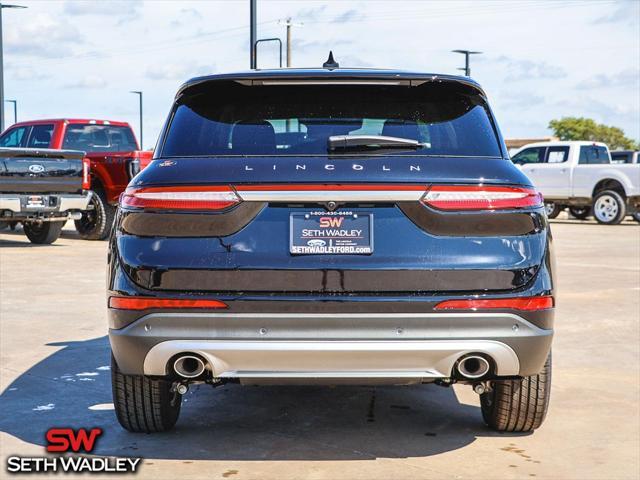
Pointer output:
x,y
330,63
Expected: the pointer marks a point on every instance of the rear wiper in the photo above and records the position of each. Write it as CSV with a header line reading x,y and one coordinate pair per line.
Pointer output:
x,y
370,141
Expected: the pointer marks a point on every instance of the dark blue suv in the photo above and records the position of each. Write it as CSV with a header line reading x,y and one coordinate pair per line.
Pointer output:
x,y
331,226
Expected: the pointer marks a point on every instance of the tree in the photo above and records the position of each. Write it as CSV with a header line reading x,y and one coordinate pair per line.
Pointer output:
x,y
579,128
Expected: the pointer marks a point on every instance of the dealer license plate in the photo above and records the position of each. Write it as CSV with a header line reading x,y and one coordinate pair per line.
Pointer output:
x,y
331,233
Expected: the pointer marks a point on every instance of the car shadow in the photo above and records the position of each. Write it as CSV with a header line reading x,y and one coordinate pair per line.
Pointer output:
x,y
8,235
71,388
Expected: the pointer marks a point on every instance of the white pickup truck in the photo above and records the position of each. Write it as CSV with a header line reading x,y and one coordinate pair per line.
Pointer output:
x,y
581,176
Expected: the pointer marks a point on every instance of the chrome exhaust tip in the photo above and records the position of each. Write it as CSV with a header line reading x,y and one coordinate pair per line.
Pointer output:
x,y
473,366
189,366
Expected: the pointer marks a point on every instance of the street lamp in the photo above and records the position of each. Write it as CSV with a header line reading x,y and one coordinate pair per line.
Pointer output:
x,y
15,109
2,7
140,97
466,53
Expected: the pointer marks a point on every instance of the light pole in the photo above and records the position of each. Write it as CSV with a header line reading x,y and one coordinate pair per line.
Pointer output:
x,y
15,109
140,97
253,14
2,7
288,23
466,53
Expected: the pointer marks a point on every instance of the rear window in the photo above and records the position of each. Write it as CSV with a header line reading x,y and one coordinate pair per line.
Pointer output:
x,y
40,136
621,157
227,118
99,138
593,154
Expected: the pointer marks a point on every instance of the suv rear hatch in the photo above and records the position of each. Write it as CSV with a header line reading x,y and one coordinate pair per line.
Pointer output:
x,y
249,175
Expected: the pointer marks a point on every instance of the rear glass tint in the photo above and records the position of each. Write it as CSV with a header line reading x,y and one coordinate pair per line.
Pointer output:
x,y
227,118
621,157
40,136
99,138
593,154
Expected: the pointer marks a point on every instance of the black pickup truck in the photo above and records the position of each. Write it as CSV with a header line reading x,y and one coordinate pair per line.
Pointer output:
x,y
42,189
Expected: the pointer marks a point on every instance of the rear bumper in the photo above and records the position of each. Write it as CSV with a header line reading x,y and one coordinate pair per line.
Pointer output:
x,y
57,204
418,346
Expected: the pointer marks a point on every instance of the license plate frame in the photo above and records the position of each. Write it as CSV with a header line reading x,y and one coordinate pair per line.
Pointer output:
x,y
334,233
36,201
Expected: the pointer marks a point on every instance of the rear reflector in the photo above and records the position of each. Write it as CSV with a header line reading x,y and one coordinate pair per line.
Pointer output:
x,y
522,303
180,198
144,303
86,173
480,197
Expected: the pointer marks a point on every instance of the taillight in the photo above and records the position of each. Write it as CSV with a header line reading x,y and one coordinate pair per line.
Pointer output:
x,y
518,303
179,198
144,303
480,197
86,174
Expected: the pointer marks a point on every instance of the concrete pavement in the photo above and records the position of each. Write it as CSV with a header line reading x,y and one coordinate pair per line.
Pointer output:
x,y
54,361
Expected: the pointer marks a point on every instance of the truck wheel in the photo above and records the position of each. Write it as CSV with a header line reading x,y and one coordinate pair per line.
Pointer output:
x,y
143,405
96,223
609,208
552,209
518,405
636,216
581,213
43,233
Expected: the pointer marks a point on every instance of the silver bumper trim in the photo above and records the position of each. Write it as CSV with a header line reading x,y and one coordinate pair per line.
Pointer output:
x,y
65,203
74,202
331,358
9,203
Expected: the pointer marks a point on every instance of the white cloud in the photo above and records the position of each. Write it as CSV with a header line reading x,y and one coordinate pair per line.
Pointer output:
x,y
25,73
626,78
626,12
88,82
123,10
41,35
177,71
520,69
352,15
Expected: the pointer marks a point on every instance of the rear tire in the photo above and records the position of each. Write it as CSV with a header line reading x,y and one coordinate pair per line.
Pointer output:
x,y
43,233
552,209
144,405
518,405
96,223
609,208
581,213
636,216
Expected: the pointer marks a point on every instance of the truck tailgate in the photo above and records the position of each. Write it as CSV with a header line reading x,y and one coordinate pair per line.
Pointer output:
x,y
28,170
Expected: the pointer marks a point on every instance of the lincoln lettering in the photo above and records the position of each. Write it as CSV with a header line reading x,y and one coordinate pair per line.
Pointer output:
x,y
356,167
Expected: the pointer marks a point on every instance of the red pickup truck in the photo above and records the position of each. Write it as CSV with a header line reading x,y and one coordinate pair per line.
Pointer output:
x,y
111,148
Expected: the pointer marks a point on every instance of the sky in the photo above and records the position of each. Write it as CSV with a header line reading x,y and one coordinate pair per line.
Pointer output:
x,y
541,59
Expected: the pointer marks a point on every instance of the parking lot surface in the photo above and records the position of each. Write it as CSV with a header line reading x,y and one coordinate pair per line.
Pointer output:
x,y
54,359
